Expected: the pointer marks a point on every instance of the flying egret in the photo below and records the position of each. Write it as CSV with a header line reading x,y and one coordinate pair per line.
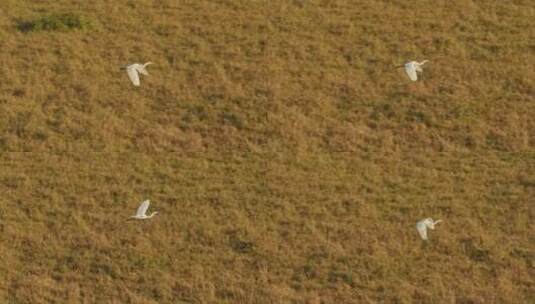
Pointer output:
x,y
141,213
134,70
412,67
422,226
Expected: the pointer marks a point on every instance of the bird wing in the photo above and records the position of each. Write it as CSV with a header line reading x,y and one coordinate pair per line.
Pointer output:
x,y
133,74
411,71
142,209
141,69
432,224
422,229
418,66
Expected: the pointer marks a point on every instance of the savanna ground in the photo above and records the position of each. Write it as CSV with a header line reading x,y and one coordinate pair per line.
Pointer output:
x,y
288,158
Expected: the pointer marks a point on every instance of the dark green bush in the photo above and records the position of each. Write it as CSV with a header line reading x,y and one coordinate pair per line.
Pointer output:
x,y
55,22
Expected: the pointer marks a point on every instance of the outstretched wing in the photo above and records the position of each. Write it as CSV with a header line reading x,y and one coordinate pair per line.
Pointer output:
x,y
411,71
421,226
133,74
142,209
432,224
141,69
419,66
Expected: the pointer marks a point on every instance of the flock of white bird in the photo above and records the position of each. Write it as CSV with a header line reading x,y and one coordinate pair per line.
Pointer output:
x,y
421,226
412,68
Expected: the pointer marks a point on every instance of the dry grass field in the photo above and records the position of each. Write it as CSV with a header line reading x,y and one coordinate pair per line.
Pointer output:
x,y
287,156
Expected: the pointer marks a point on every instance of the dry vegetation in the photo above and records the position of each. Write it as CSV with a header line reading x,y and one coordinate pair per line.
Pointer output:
x,y
287,157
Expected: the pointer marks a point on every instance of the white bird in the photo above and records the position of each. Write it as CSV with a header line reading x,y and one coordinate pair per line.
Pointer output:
x,y
141,212
422,226
412,67
134,70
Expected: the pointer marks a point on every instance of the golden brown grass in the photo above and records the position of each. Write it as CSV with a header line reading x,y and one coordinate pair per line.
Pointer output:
x,y
288,158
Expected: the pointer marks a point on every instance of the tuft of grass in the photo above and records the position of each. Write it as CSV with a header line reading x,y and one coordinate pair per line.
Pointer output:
x,y
56,22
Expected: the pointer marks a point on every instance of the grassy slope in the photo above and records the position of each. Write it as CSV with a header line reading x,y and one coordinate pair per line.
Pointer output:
x,y
288,159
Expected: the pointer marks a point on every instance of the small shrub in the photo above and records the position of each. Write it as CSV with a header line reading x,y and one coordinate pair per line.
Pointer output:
x,y
419,116
241,246
232,119
55,22
340,276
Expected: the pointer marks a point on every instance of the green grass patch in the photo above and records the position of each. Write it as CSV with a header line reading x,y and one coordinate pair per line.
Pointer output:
x,y
55,22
